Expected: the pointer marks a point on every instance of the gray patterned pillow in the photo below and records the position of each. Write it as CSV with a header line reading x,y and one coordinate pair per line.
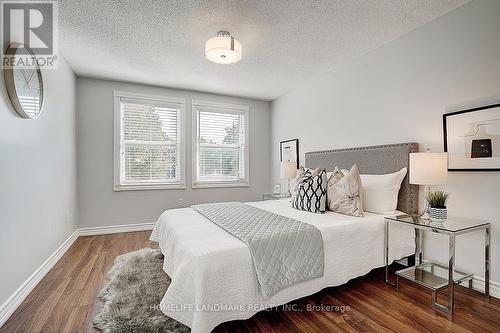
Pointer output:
x,y
300,173
311,192
344,192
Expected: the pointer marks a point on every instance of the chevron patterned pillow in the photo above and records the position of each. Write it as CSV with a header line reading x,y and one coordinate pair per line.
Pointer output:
x,y
311,192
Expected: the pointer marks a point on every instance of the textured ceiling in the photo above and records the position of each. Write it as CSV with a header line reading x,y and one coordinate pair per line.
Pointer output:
x,y
161,42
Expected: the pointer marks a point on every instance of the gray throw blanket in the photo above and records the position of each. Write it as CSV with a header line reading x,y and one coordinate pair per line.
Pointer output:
x,y
284,251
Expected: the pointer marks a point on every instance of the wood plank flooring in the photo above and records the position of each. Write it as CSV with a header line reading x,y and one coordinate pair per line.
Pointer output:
x,y
65,301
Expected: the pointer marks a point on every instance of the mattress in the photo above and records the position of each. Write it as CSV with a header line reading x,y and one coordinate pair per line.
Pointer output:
x,y
213,278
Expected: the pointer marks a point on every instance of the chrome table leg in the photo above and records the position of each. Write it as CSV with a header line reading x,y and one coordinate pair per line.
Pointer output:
x,y
451,269
419,252
451,283
386,254
487,241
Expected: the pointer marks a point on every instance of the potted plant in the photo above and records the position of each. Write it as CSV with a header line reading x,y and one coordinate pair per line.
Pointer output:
x,y
437,205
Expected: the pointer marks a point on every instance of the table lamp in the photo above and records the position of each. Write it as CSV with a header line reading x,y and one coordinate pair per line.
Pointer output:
x,y
288,170
428,169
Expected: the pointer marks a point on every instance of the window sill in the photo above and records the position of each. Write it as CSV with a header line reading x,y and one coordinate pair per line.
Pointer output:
x,y
219,185
147,187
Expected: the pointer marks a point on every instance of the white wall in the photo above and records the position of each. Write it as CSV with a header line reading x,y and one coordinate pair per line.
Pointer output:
x,y
37,180
100,206
398,93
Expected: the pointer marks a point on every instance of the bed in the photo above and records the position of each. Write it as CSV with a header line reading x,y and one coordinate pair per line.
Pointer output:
x,y
213,278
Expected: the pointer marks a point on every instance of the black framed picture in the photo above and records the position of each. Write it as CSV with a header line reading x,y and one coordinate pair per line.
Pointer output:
x,y
289,151
472,139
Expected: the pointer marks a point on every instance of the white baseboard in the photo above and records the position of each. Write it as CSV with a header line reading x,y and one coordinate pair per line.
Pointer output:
x,y
114,229
478,284
11,304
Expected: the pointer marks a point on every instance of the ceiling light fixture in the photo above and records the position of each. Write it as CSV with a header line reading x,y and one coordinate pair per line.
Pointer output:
x,y
223,49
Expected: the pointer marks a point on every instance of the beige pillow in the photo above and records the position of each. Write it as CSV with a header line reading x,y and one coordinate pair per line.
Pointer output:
x,y
344,192
335,176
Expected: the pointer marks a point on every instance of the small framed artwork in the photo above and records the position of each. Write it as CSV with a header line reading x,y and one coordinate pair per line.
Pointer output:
x,y
289,151
277,189
472,139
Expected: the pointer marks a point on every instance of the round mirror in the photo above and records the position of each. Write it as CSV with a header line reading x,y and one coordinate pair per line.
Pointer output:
x,y
23,81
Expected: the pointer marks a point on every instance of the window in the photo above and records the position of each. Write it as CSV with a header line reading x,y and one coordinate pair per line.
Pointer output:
x,y
220,143
149,142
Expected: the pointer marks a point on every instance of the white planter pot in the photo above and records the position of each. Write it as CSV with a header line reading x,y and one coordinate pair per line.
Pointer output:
x,y
438,214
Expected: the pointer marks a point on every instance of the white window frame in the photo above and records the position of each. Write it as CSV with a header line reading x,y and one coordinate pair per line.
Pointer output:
x,y
198,105
117,185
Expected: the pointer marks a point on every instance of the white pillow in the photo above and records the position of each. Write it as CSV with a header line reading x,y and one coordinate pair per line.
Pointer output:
x,y
380,192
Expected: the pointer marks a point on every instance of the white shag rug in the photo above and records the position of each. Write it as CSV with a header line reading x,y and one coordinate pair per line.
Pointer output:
x,y
132,296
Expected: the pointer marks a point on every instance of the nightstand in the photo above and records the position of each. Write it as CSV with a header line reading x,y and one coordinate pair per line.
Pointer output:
x,y
432,275
270,196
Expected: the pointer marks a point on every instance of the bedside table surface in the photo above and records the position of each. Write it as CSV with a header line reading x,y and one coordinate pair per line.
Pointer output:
x,y
279,196
451,225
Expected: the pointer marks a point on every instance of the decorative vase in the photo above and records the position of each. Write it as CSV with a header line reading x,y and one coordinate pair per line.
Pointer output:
x,y
438,214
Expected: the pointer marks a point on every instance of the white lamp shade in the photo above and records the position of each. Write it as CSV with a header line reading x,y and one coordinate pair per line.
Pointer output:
x,y
223,50
428,168
288,170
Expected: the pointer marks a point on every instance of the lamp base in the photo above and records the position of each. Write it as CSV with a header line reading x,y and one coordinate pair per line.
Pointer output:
x,y
425,215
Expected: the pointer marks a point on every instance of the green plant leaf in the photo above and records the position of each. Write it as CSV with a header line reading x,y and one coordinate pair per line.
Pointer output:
x,y
437,198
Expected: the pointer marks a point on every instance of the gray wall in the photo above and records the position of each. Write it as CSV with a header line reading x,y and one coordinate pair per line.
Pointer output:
x,y
100,206
37,180
398,93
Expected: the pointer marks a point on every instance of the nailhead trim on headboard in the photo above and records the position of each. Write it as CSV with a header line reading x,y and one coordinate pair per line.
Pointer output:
x,y
379,159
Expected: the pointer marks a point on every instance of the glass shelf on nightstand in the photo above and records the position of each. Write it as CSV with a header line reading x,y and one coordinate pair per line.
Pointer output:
x,y
432,275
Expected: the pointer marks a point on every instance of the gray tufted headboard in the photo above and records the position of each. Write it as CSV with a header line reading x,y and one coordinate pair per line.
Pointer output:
x,y
373,160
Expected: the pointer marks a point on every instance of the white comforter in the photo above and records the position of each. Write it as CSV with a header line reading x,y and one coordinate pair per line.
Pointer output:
x,y
213,278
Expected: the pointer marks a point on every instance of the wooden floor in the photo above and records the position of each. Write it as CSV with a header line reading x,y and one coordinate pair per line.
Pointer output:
x,y
65,301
